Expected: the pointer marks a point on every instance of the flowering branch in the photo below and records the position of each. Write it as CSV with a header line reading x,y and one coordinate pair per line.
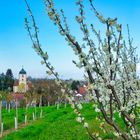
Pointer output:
x,y
110,67
65,90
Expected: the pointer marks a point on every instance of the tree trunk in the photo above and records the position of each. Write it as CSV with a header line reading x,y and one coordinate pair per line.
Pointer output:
x,y
58,106
41,113
25,119
16,118
33,116
9,107
1,117
1,129
16,123
48,103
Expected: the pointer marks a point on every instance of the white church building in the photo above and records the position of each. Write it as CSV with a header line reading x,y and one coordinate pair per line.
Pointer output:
x,y
22,85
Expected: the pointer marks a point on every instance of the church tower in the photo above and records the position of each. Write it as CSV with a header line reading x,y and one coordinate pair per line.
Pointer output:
x,y
22,80
22,85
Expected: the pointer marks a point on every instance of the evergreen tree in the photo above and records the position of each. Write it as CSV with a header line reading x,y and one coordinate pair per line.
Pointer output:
x,y
9,73
9,80
2,81
75,85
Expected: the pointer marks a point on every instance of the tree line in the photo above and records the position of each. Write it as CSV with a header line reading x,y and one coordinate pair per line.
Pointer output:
x,y
6,81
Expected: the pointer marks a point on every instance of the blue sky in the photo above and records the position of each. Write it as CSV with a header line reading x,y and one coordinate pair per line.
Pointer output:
x,y
15,45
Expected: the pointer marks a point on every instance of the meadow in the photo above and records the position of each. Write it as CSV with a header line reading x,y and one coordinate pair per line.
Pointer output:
x,y
55,125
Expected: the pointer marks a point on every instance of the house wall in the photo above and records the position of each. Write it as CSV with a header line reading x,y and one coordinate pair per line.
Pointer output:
x,y
23,80
15,88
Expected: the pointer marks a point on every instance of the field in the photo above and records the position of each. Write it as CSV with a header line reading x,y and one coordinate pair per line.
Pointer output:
x,y
55,125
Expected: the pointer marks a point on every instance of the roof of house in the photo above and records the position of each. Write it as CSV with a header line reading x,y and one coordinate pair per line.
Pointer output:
x,y
30,85
18,96
82,90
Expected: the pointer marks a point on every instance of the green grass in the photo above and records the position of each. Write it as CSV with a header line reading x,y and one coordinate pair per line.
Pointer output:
x,y
56,125
8,118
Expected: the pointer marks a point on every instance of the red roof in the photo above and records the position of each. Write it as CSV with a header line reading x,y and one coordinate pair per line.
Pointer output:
x,y
18,96
82,90
29,85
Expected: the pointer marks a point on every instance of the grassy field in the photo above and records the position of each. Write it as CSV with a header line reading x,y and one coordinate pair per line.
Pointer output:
x,y
55,125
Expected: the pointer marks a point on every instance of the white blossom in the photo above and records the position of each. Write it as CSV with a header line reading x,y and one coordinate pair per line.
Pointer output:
x,y
97,110
79,119
85,124
122,108
112,83
79,106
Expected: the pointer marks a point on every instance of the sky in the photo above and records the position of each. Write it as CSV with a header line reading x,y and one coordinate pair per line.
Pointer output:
x,y
16,48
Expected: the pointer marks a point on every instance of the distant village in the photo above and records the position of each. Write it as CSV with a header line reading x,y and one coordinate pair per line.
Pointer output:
x,y
47,88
